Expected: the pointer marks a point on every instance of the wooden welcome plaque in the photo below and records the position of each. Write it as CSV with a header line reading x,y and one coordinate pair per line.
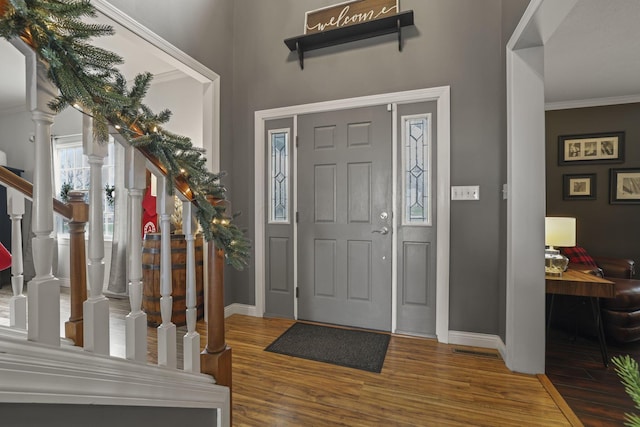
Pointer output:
x,y
348,13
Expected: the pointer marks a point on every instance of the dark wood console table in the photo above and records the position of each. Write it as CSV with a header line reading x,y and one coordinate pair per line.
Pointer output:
x,y
583,284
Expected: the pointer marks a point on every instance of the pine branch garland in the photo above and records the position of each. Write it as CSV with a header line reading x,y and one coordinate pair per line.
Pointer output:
x,y
88,76
627,370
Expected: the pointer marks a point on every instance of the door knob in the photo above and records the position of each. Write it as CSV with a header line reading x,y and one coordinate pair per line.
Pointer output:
x,y
383,231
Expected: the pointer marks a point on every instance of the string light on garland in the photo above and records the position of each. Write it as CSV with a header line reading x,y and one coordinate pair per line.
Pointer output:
x,y
88,79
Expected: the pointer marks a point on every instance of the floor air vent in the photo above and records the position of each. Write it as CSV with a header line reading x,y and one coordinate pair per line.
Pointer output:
x,y
476,353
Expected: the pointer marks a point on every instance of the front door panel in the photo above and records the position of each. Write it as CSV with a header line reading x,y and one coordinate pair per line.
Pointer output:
x,y
344,225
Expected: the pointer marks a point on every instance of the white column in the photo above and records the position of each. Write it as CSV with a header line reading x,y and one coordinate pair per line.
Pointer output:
x,y
191,340
525,331
167,329
18,302
96,307
44,288
136,320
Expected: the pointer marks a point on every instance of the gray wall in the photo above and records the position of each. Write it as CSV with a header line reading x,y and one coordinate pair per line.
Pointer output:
x,y
602,228
454,42
457,43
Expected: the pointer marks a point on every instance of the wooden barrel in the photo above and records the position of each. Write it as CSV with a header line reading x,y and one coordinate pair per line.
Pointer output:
x,y
151,251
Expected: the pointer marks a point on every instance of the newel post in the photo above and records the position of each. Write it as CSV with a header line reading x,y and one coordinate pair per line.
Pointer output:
x,y
74,327
215,359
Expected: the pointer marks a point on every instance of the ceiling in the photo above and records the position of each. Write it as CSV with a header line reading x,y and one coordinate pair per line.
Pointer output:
x,y
595,54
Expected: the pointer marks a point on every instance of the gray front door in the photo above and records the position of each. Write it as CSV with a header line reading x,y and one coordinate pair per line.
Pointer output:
x,y
344,217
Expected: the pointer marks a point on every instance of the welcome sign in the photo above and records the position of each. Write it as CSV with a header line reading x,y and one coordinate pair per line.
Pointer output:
x,y
348,13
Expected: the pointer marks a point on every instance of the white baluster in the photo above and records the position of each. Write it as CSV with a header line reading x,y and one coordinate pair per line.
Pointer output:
x,y
44,288
136,320
191,340
167,329
96,307
18,302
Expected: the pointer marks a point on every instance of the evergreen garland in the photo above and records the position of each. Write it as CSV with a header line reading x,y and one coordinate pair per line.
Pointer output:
x,y
627,370
87,78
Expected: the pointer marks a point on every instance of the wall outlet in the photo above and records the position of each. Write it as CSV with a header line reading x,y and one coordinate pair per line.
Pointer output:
x,y
465,192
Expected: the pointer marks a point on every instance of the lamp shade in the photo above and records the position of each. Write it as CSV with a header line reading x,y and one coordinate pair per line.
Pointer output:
x,y
560,231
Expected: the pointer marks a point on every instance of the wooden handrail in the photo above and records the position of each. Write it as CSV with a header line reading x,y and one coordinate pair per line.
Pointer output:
x,y
180,183
77,214
12,180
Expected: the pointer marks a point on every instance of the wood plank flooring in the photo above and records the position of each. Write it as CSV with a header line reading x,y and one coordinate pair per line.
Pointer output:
x,y
422,383
593,391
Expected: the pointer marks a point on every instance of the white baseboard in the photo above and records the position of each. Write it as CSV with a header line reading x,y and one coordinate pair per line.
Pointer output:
x,y
502,348
473,339
246,310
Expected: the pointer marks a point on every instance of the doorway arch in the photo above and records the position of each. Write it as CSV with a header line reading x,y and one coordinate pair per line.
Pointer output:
x,y
525,332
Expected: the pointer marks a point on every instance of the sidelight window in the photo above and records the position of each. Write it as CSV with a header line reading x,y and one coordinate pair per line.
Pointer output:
x,y
279,176
416,154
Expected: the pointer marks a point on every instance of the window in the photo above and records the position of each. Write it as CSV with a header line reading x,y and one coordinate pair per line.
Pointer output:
x,y
279,176
416,154
71,169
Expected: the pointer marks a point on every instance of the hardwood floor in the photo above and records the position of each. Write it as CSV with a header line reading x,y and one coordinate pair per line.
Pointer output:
x,y
422,383
593,391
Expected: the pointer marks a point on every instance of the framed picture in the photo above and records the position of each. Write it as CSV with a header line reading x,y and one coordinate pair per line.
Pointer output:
x,y
591,148
625,185
579,187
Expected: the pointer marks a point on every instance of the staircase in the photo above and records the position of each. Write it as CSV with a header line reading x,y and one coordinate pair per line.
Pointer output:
x,y
76,372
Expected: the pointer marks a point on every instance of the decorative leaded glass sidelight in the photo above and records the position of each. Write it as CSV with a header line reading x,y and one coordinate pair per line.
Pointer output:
x,y
416,153
279,176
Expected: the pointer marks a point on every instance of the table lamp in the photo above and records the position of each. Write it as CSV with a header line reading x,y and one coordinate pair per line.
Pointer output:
x,y
558,231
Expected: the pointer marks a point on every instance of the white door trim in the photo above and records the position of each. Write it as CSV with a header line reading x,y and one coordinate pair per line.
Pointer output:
x,y
439,94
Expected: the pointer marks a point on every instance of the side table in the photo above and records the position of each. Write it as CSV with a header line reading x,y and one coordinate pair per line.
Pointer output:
x,y
580,283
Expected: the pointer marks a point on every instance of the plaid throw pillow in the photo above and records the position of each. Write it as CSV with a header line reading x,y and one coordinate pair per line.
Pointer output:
x,y
578,255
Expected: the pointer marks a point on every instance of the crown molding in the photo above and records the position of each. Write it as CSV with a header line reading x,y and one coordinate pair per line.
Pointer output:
x,y
594,102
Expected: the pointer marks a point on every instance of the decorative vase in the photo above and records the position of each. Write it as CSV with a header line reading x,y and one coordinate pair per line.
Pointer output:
x,y
554,262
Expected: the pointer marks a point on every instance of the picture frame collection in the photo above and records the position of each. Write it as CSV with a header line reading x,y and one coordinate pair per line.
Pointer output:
x,y
598,148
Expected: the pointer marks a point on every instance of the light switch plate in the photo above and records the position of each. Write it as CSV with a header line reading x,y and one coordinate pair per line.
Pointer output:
x,y
465,192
